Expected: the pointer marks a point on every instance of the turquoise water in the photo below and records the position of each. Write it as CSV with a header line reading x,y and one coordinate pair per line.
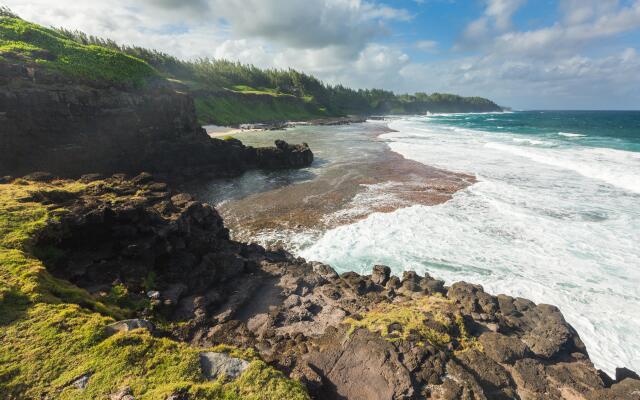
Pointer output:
x,y
554,217
610,129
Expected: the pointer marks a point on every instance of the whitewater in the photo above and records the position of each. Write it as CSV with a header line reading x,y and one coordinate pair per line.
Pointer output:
x,y
554,217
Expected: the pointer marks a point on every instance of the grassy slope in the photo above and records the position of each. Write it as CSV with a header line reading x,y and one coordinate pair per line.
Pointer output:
x,y
52,332
253,107
32,43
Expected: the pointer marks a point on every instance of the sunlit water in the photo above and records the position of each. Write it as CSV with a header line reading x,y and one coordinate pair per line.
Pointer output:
x,y
554,217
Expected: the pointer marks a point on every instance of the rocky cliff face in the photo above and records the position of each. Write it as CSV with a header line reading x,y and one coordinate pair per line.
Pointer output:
x,y
344,336
71,128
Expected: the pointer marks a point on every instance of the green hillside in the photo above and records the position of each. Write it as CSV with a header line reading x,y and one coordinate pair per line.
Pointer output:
x,y
30,43
225,92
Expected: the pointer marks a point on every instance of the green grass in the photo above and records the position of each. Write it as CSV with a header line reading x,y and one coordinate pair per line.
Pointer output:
x,y
52,332
233,110
432,319
31,43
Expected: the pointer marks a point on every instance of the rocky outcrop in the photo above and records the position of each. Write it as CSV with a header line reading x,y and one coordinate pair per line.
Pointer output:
x,y
346,336
284,155
72,128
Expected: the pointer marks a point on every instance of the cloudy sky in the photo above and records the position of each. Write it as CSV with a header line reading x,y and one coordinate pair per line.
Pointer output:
x,y
522,53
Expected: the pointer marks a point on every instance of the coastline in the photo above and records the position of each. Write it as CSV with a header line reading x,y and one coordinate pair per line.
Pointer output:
x,y
218,131
340,190
299,329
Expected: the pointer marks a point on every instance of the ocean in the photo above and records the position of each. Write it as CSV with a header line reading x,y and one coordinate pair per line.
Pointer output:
x,y
554,217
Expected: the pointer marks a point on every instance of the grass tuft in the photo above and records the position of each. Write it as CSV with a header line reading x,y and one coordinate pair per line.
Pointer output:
x,y
430,320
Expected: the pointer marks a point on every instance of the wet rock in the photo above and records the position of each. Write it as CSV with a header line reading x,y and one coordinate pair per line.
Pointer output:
x,y
214,365
284,155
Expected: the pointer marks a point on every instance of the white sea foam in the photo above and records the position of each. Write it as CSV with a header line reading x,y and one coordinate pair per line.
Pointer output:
x,y
534,142
557,225
570,134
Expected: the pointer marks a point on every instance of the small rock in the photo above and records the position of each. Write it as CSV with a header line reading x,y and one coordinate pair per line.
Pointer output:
x,y
380,274
181,199
82,381
214,365
153,295
129,325
6,179
123,394
142,178
39,177
324,271
157,187
88,178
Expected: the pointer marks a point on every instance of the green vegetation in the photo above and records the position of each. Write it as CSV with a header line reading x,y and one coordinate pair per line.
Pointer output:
x,y
286,94
227,109
30,43
52,332
432,319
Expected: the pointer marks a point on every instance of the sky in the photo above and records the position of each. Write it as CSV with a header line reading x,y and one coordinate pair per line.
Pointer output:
x,y
527,54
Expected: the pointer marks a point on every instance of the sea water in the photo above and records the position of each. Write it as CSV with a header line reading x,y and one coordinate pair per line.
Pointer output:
x,y
554,217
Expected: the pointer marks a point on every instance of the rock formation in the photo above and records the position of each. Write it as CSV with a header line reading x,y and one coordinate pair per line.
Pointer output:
x,y
69,128
343,336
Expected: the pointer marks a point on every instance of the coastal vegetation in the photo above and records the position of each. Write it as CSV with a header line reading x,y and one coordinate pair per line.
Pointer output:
x,y
432,320
33,44
225,92
54,333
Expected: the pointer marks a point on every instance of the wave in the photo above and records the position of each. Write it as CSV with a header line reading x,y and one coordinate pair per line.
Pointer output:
x,y
533,142
616,167
555,222
571,135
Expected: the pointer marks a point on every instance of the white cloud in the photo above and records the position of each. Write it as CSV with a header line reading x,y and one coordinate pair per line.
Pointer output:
x,y
581,27
427,45
496,18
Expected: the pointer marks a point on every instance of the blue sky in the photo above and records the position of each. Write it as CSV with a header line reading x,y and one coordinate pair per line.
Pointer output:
x,y
528,54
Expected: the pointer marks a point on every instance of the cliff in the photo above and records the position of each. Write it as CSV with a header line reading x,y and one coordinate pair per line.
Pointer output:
x,y
202,316
73,127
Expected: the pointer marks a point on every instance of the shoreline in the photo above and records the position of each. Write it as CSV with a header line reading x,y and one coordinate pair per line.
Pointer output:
x,y
218,131
342,192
